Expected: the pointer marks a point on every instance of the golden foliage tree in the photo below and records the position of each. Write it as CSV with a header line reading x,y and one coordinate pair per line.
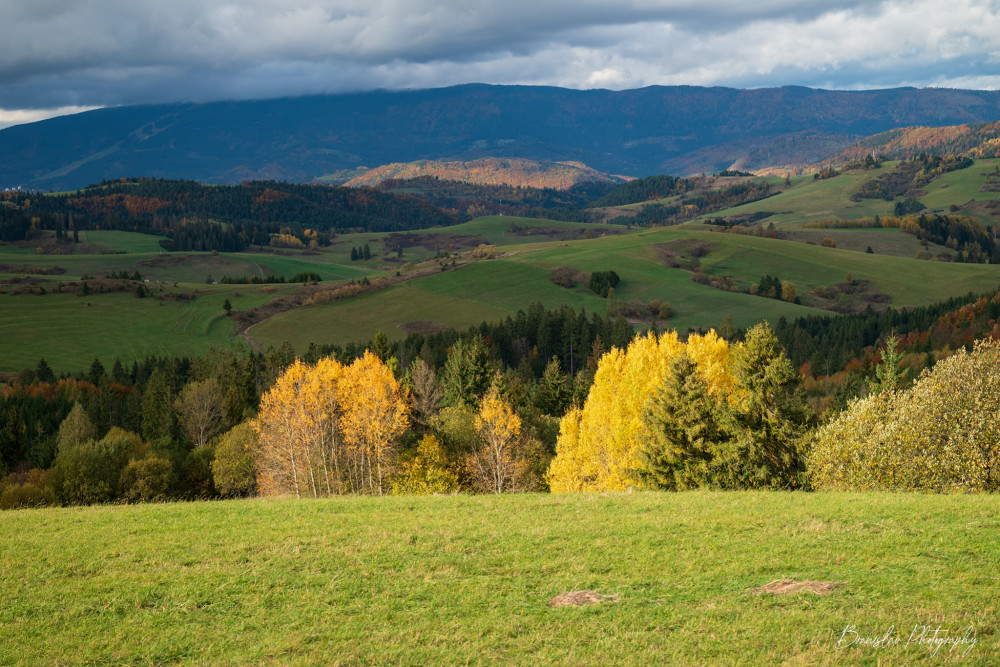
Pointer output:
x,y
598,448
375,414
495,463
327,429
281,426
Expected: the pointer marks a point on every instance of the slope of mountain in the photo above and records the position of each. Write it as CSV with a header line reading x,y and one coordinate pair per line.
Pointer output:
x,y
975,140
512,172
653,130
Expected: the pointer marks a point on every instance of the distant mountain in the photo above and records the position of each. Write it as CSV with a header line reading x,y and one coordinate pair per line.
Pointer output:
x,y
656,130
514,172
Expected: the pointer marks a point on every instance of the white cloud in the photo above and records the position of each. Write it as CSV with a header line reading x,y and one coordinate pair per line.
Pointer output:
x,y
10,117
56,53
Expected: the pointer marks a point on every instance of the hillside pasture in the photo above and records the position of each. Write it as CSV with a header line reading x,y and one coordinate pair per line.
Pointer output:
x,y
962,186
809,200
69,331
457,579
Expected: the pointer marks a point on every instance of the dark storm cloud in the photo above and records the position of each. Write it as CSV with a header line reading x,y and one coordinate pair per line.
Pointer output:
x,y
58,53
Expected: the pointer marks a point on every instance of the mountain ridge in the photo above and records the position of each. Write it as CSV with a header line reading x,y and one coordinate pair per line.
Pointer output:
x,y
663,129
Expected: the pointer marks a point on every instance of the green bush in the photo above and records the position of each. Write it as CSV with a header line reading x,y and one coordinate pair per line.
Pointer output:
x,y
147,479
942,434
91,471
234,468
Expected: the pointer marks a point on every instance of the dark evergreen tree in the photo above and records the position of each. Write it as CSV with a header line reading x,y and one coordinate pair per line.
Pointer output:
x,y
765,428
554,391
467,372
43,372
685,434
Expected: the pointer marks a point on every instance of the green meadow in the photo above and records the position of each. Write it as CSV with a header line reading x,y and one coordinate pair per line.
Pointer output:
x,y
468,579
69,333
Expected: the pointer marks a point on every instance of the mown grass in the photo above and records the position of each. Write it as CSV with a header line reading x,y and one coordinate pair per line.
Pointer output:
x,y
809,200
961,186
360,318
122,241
69,331
493,289
457,580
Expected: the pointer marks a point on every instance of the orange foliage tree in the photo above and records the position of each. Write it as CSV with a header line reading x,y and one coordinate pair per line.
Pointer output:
x,y
375,414
328,429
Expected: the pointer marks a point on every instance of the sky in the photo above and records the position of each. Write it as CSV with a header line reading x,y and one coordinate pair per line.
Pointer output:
x,y
66,56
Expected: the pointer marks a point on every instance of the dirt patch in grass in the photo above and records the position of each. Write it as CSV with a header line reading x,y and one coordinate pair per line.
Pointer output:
x,y
683,252
581,599
790,587
564,233
851,296
565,276
442,242
163,261
422,326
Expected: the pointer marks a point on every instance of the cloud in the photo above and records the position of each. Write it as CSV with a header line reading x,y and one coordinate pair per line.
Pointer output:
x,y
60,53
9,117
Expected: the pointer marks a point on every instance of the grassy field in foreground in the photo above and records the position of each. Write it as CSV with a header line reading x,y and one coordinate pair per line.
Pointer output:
x,y
448,580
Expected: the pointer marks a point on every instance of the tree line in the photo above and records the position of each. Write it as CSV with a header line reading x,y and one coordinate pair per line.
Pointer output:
x,y
533,402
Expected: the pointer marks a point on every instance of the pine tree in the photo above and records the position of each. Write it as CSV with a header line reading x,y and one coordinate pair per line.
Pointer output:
x,y
888,374
354,254
367,252
381,347
96,372
467,372
157,406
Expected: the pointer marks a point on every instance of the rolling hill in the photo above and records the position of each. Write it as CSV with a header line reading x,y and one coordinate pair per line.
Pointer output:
x,y
655,130
489,171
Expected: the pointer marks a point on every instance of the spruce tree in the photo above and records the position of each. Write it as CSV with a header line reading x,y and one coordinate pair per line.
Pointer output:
x,y
554,391
684,431
765,428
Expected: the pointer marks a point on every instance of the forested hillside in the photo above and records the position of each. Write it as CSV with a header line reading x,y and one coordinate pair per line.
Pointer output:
x,y
676,130
191,213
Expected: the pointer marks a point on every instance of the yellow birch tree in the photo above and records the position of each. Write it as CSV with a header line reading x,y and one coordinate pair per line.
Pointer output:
x,y
281,427
375,414
493,463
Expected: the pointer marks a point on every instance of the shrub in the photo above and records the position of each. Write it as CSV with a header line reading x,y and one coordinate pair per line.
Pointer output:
x,y
942,434
485,251
146,479
26,495
426,472
602,281
91,472
234,468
